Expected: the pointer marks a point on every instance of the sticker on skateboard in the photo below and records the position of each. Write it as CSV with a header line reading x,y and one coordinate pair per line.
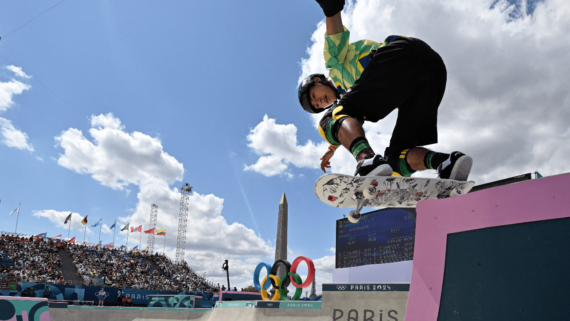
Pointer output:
x,y
345,191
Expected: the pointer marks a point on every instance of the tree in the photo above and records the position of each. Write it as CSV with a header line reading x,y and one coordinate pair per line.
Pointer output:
x,y
251,288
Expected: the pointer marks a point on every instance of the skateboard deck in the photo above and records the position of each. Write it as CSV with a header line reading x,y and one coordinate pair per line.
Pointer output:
x,y
345,191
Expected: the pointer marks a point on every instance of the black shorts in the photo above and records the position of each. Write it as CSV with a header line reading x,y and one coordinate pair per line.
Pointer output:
x,y
405,74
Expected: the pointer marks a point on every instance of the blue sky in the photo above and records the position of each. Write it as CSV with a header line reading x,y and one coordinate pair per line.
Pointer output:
x,y
110,106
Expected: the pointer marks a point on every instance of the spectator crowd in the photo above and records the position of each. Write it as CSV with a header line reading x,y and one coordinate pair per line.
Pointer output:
x,y
38,260
138,270
30,260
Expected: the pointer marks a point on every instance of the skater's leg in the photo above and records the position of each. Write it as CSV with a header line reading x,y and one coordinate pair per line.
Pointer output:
x,y
351,136
420,159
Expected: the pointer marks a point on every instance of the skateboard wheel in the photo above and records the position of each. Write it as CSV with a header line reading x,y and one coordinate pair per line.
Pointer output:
x,y
353,217
369,192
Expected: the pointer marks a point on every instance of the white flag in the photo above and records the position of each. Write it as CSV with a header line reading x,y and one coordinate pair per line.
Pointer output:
x,y
16,210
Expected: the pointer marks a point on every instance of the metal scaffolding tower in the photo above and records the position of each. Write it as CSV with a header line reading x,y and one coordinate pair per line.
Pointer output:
x,y
153,215
182,223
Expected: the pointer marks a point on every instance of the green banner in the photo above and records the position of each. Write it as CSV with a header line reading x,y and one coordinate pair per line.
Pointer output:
x,y
239,304
300,305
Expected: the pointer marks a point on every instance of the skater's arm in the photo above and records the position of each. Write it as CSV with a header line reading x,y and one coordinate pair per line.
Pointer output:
x,y
334,24
325,160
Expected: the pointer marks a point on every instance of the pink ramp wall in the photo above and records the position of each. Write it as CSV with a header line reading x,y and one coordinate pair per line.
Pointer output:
x,y
540,199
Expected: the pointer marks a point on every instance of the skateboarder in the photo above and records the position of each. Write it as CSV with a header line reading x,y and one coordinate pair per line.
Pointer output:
x,y
370,80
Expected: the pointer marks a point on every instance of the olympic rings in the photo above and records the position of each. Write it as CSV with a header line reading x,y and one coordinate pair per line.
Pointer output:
x,y
277,293
286,281
282,283
256,275
311,274
298,291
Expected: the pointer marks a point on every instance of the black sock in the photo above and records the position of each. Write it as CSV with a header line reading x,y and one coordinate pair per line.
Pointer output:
x,y
433,159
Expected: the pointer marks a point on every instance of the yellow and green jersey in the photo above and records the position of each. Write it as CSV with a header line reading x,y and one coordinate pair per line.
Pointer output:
x,y
346,61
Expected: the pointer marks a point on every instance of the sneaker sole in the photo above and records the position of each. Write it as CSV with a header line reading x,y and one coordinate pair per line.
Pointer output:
x,y
382,170
462,168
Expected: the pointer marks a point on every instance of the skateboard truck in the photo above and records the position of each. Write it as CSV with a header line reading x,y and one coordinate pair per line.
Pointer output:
x,y
354,215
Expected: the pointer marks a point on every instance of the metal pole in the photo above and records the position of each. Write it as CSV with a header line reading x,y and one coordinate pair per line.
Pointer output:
x,y
100,226
16,231
114,229
69,227
127,248
140,239
165,245
84,232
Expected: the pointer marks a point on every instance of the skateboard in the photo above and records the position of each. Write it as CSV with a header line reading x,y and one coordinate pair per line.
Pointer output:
x,y
345,191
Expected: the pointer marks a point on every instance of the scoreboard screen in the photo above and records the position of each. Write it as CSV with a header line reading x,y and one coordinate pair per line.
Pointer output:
x,y
382,236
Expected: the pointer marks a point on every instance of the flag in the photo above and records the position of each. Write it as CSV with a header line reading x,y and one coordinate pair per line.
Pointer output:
x,y
151,231
136,229
161,232
145,250
95,225
100,243
110,245
67,218
84,221
134,248
83,242
126,227
72,240
113,226
55,237
122,247
16,210
42,235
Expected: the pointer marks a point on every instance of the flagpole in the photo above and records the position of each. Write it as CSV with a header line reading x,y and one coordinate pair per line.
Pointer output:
x,y
84,232
140,239
100,225
114,228
164,244
16,231
69,229
127,239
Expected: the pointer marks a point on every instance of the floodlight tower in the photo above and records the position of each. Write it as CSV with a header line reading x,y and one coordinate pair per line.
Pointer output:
x,y
153,216
182,223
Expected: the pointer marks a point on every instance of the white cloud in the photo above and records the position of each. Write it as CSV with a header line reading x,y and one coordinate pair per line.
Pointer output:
x,y
277,146
117,159
9,135
507,102
8,90
12,137
18,71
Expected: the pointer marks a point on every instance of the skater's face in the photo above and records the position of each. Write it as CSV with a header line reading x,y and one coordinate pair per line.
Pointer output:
x,y
321,95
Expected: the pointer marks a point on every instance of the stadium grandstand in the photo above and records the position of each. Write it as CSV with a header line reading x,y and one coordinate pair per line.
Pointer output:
x,y
27,258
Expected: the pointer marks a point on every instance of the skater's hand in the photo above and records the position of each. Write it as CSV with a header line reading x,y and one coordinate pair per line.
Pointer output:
x,y
331,7
325,159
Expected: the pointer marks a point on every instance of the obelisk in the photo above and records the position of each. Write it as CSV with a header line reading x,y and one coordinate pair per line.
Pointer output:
x,y
281,240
